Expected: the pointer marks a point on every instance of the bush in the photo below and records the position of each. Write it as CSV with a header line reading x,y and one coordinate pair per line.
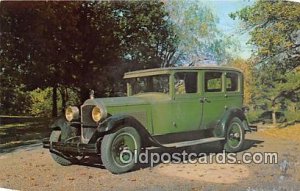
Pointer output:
x,y
41,102
14,100
292,116
253,116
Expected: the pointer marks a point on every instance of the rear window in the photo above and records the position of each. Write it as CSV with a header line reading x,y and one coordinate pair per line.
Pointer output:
x,y
232,81
213,81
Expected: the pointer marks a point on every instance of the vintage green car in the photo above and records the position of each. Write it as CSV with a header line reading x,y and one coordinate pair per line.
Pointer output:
x,y
164,107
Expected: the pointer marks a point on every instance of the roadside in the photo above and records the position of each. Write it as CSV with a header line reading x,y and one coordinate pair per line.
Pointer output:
x,y
291,133
20,134
33,169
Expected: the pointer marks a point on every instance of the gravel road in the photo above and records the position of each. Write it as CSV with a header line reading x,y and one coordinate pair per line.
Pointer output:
x,y
32,168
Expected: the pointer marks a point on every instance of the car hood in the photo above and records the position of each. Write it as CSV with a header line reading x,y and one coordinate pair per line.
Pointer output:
x,y
141,99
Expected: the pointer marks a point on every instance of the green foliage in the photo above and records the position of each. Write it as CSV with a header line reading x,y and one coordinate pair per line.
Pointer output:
x,y
292,116
253,116
83,45
195,27
14,100
41,102
274,28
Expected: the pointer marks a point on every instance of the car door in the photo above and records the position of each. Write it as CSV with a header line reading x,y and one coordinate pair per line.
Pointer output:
x,y
186,107
213,98
233,91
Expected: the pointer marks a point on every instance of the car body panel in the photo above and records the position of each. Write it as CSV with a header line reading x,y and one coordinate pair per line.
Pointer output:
x,y
171,113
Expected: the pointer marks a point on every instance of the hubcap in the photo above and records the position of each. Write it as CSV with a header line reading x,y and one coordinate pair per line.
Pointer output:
x,y
235,134
123,149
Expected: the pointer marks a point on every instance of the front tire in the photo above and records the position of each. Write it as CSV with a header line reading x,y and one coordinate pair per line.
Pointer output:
x,y
55,137
119,149
235,136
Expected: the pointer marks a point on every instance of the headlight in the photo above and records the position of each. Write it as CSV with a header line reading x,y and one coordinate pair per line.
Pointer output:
x,y
72,113
98,113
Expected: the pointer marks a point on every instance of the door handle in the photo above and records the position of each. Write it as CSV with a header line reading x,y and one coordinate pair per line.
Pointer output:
x,y
206,100
202,100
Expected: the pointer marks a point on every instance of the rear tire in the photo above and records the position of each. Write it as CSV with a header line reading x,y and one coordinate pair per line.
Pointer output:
x,y
235,136
118,150
55,137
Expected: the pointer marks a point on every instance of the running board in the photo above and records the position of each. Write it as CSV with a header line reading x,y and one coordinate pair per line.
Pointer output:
x,y
190,143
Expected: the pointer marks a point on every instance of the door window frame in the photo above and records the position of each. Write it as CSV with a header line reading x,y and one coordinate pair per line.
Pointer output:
x,y
187,95
239,84
222,82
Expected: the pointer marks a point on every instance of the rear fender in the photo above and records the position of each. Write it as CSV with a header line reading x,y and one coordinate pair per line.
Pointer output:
x,y
220,130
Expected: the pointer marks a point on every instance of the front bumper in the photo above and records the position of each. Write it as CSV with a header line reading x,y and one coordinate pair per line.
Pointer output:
x,y
253,127
71,147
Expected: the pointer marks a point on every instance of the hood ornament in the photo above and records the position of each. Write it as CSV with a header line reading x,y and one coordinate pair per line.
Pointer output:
x,y
92,92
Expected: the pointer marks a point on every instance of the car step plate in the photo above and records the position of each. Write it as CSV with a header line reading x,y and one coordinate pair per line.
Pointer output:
x,y
190,143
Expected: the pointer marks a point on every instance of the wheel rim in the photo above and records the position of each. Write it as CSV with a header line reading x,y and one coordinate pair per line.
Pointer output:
x,y
234,135
123,149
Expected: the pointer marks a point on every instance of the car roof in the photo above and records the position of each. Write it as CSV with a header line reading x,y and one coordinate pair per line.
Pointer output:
x,y
159,71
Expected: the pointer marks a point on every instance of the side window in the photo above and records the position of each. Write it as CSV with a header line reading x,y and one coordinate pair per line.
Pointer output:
x,y
213,81
232,81
185,82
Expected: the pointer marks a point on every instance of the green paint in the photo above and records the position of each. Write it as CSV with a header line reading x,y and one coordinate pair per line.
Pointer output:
x,y
163,113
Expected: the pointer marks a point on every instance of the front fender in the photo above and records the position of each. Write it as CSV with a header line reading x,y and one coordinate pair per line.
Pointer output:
x,y
230,113
67,130
114,123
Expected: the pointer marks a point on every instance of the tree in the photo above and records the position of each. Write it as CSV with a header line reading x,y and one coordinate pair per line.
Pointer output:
x,y
198,38
274,28
247,67
274,89
81,45
31,41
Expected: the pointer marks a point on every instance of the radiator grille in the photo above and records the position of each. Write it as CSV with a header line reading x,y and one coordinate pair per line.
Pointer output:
x,y
86,115
87,133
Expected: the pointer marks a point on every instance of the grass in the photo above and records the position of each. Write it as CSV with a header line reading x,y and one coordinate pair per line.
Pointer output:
x,y
19,125
17,134
291,133
15,116
4,119
253,116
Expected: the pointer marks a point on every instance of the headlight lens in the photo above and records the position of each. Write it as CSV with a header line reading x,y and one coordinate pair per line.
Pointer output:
x,y
72,113
97,114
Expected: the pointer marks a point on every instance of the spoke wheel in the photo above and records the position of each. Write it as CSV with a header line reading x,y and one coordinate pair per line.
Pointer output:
x,y
123,148
56,137
235,136
118,150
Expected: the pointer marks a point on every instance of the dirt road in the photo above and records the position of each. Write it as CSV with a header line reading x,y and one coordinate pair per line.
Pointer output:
x,y
32,168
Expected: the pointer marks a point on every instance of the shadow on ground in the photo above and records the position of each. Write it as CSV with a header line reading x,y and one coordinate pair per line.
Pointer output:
x,y
206,149
16,135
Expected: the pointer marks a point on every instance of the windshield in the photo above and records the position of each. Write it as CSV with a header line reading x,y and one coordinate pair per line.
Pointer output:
x,y
159,83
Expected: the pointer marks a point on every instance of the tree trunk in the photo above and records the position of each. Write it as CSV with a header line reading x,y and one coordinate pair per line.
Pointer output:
x,y
84,94
274,115
64,98
54,101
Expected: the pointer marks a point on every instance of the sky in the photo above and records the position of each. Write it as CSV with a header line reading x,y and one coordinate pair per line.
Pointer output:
x,y
222,9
